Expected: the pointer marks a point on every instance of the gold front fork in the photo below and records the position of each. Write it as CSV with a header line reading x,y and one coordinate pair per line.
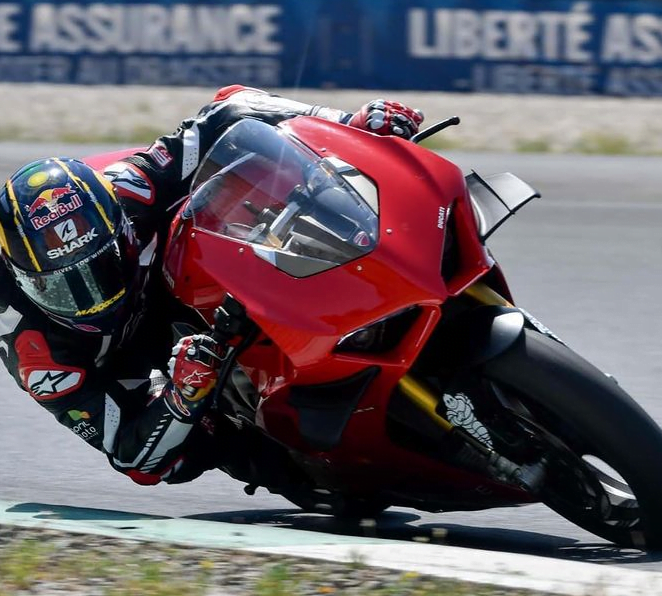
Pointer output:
x,y
420,395
486,295
528,476
424,399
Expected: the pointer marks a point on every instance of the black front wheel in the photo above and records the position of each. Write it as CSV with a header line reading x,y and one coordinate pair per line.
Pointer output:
x,y
600,449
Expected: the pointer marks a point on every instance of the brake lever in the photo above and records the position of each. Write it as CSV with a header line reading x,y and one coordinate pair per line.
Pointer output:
x,y
434,129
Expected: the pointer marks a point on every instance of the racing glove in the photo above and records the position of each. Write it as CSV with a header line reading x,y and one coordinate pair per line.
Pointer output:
x,y
193,369
387,118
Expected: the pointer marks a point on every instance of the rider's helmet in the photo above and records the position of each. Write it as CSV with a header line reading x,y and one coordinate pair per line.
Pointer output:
x,y
69,244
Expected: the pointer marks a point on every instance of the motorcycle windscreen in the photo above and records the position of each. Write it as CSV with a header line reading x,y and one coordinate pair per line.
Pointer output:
x,y
263,187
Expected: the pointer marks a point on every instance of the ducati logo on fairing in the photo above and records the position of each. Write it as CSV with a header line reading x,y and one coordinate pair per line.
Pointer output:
x,y
441,218
67,249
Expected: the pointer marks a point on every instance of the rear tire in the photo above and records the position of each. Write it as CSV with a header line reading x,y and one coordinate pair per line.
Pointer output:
x,y
600,424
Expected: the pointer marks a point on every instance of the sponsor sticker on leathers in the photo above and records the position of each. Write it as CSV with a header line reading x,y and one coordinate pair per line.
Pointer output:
x,y
52,383
160,155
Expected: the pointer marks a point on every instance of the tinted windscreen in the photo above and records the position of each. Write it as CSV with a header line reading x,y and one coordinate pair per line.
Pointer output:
x,y
261,186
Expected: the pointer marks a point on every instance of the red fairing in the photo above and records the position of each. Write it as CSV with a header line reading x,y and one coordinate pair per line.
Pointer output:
x,y
303,319
403,271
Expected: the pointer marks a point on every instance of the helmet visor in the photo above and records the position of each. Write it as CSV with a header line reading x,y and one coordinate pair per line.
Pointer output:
x,y
86,288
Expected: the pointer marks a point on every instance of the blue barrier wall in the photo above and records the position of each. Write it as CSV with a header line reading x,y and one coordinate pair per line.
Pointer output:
x,y
558,46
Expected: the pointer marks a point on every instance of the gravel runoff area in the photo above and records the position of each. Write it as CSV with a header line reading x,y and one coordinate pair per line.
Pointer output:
x,y
490,122
45,562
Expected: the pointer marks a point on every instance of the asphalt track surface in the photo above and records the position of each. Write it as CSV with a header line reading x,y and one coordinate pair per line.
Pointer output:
x,y
586,260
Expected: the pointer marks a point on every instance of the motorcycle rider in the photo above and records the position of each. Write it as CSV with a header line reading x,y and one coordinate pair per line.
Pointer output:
x,y
85,322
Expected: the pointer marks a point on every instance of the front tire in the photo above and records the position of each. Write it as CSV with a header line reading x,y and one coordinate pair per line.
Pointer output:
x,y
604,450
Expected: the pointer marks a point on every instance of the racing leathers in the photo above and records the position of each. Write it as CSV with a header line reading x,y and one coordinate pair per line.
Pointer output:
x,y
115,391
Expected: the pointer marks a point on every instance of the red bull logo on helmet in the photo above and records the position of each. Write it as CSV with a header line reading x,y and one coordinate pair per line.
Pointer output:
x,y
52,200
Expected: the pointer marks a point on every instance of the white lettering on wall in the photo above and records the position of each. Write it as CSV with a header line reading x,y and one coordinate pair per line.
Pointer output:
x,y
8,27
638,80
30,69
632,38
154,28
522,30
578,34
501,34
575,79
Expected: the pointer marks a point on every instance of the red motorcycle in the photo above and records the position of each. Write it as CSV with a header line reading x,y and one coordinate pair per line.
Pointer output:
x,y
381,355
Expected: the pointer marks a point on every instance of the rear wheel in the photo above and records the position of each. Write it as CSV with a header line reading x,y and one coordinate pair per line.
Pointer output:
x,y
601,450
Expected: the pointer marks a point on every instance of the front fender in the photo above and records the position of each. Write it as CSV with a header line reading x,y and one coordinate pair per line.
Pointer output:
x,y
479,335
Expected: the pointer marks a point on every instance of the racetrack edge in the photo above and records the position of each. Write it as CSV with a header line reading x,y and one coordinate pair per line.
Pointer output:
x,y
450,562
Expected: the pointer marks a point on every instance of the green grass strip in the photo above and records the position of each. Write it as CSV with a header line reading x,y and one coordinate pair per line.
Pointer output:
x,y
41,562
